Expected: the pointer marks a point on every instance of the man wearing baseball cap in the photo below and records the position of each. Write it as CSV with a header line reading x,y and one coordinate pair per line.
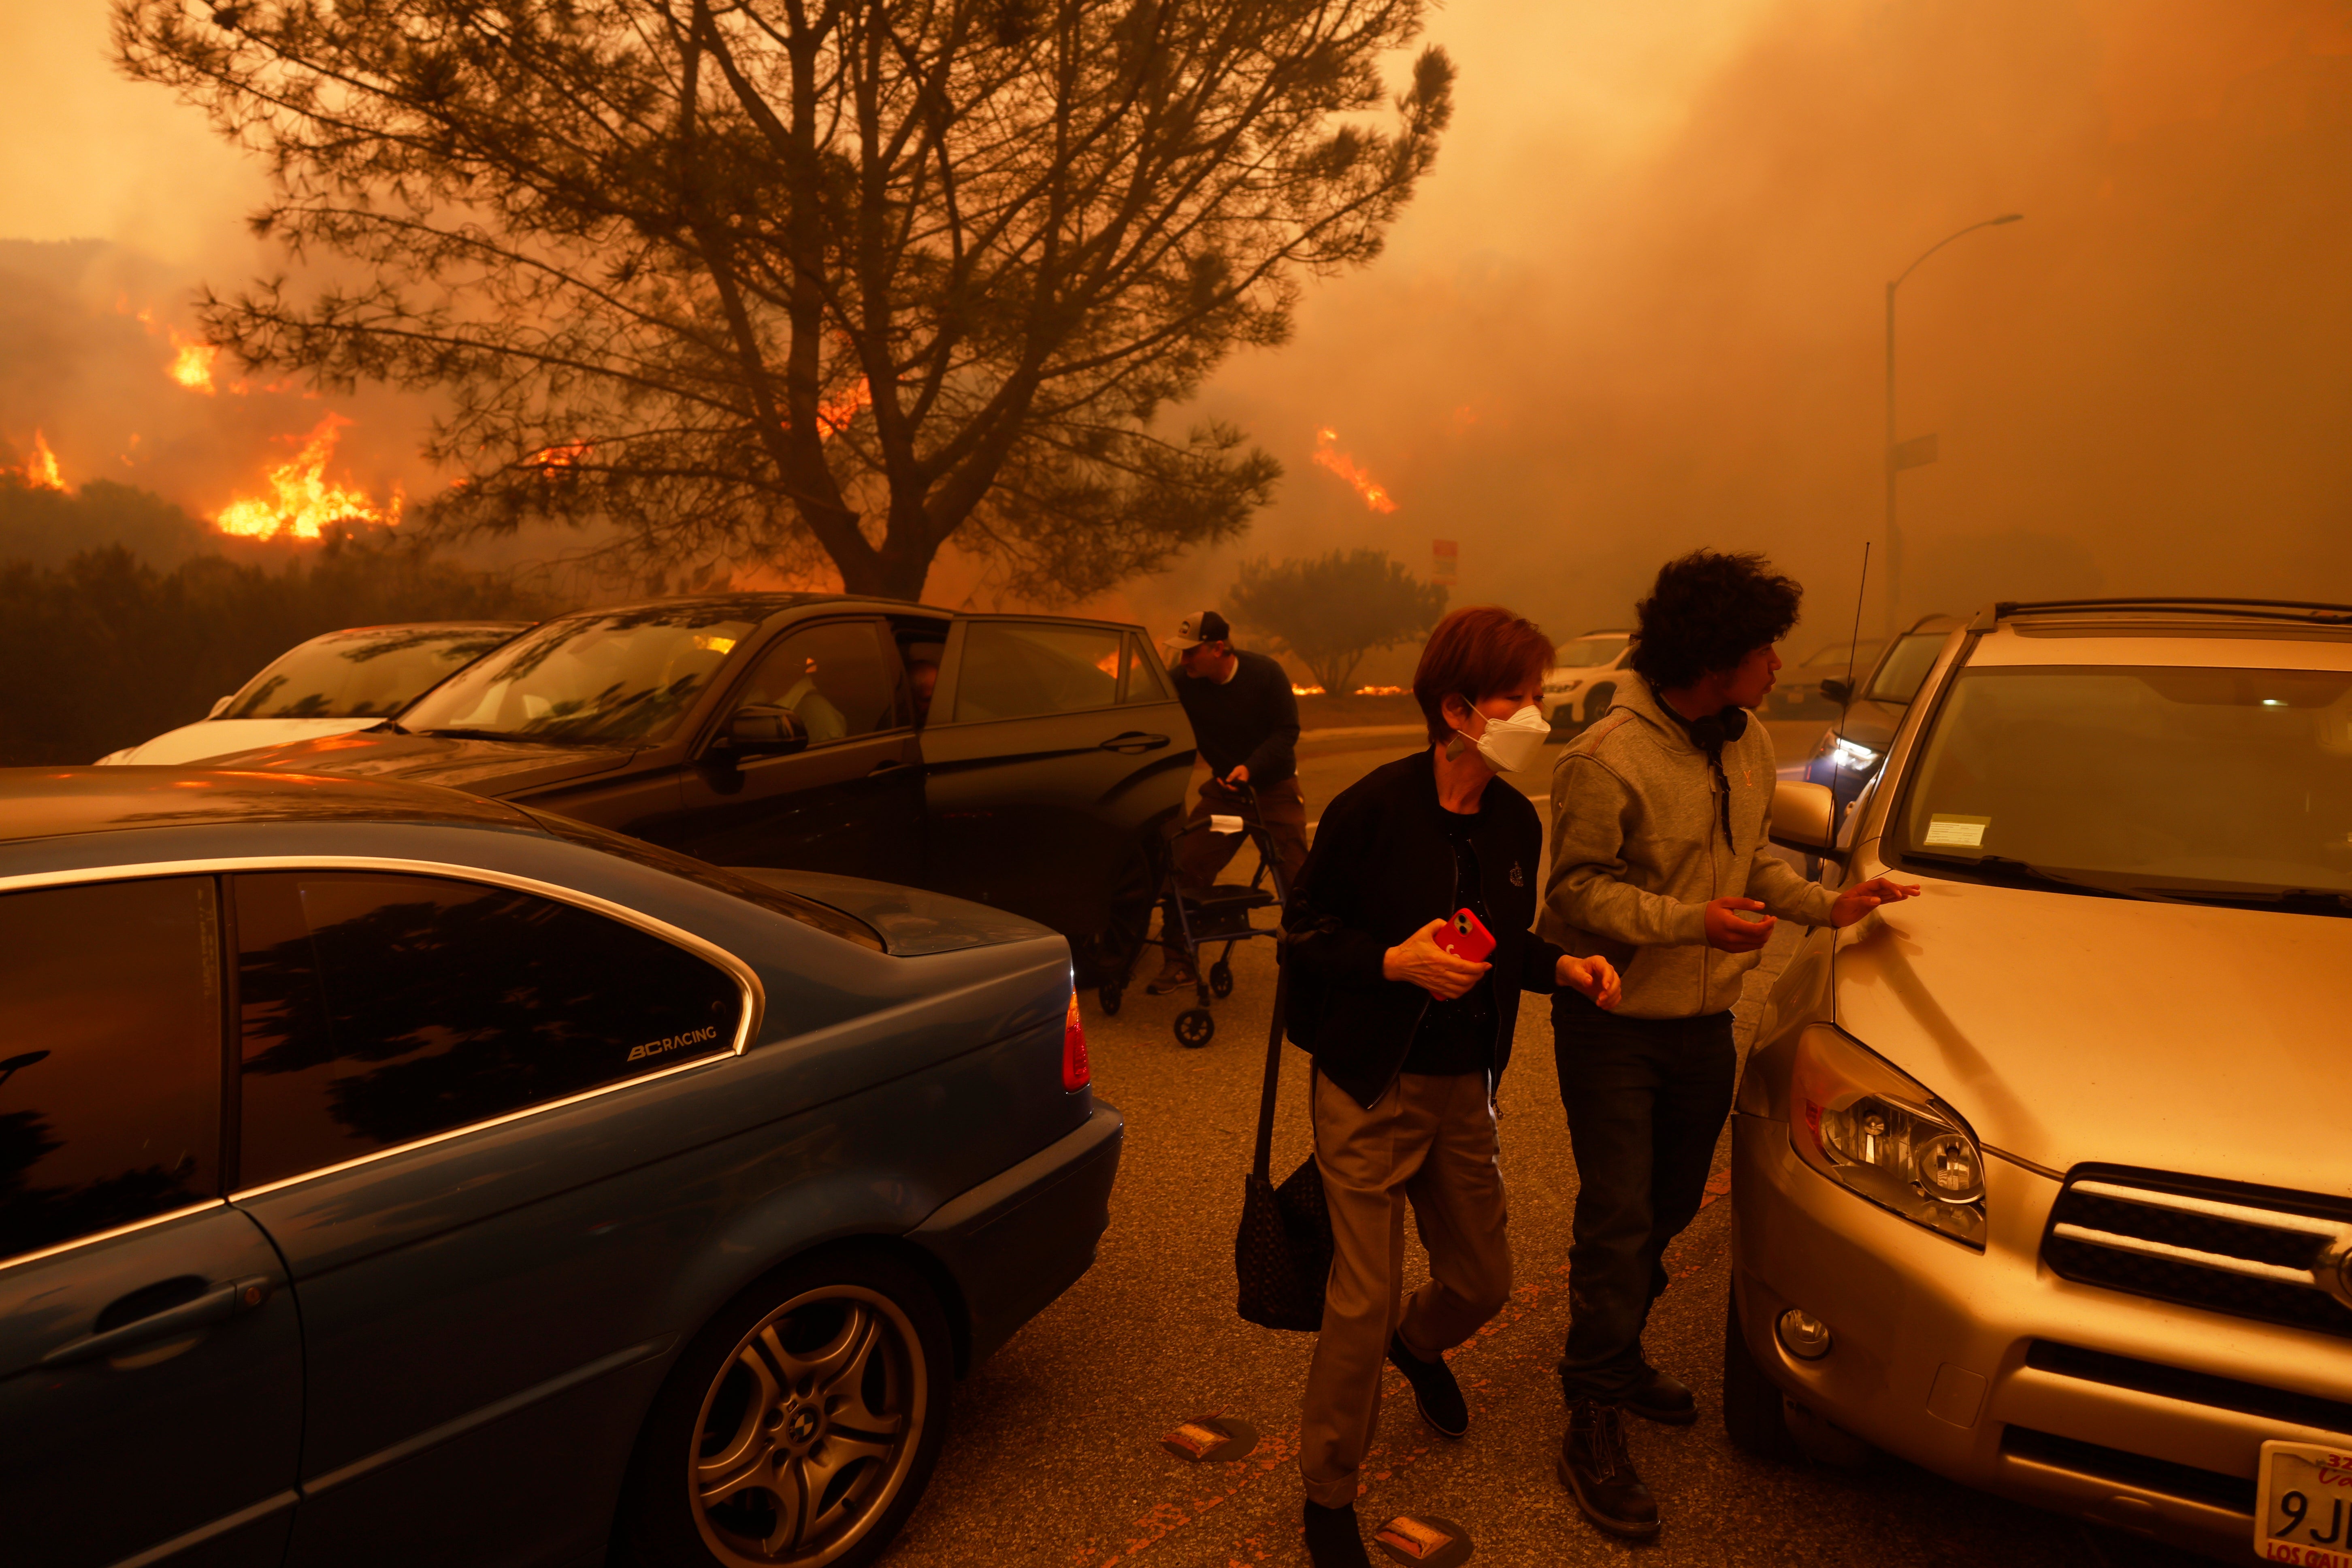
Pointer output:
x,y
1245,720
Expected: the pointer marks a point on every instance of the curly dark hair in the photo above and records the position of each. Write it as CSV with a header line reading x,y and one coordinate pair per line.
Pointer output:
x,y
1706,612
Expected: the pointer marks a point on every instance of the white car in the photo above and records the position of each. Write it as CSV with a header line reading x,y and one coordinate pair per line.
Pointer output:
x,y
342,681
1582,684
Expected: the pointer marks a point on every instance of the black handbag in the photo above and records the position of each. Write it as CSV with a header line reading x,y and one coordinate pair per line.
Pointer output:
x,y
1282,1253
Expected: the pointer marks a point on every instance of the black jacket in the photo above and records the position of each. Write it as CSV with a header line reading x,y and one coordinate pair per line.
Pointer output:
x,y
1382,869
1252,719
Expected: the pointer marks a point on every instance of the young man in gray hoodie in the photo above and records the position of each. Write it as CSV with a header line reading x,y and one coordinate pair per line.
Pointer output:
x,y
1659,814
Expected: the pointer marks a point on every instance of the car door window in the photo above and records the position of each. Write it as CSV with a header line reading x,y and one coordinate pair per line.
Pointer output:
x,y
378,1009
1145,681
110,1056
1015,670
833,678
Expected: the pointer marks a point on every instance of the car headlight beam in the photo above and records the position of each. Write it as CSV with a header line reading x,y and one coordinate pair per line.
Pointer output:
x,y
1876,1132
1853,757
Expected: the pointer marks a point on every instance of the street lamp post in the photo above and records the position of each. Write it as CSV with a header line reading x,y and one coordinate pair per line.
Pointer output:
x,y
1902,454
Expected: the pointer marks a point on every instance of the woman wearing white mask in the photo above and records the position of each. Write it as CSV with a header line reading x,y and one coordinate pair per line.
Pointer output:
x,y
1410,1037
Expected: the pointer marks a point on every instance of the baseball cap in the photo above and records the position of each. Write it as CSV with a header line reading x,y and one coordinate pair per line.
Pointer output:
x,y
1202,625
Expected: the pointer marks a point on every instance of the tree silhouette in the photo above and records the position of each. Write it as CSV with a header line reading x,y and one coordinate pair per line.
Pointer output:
x,y
803,281
1334,609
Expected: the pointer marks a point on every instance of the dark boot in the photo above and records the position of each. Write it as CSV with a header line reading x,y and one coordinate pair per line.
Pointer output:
x,y
1433,1389
1333,1539
1594,1464
1663,1398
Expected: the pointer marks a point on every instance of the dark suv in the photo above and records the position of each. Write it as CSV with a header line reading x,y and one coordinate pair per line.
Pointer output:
x,y
1027,761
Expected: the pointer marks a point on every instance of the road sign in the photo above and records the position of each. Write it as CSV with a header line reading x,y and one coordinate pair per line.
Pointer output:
x,y
1916,453
1444,561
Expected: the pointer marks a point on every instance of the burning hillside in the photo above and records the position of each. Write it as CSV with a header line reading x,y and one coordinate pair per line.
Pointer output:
x,y
99,383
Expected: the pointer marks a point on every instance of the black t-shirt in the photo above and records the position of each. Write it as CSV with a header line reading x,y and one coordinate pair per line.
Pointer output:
x,y
1252,719
1458,1037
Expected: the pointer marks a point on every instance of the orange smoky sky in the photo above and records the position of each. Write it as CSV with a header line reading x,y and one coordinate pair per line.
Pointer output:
x,y
1638,306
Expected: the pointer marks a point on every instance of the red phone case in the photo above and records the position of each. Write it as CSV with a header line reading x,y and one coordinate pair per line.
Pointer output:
x,y
1467,937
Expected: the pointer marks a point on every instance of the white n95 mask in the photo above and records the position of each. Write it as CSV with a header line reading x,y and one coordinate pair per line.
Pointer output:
x,y
1509,744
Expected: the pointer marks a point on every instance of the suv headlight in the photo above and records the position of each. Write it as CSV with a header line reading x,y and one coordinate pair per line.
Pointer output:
x,y
1863,1125
1853,756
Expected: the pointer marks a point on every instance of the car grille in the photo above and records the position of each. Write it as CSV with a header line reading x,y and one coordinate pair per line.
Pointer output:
x,y
2257,1399
2249,1252
2119,1466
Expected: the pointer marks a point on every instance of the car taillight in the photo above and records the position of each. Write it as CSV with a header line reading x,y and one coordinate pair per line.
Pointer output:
x,y
1077,1071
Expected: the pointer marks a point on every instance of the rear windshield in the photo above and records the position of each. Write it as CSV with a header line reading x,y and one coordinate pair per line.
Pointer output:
x,y
627,676
2159,782
808,911
372,673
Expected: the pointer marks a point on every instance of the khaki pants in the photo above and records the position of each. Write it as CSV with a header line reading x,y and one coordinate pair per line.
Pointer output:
x,y
1429,1142
1281,806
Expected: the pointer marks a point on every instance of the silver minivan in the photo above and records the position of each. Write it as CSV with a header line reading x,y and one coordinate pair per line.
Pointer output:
x,y
2042,1180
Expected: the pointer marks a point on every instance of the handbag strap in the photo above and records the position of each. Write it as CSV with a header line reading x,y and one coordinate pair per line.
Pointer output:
x,y
1263,1164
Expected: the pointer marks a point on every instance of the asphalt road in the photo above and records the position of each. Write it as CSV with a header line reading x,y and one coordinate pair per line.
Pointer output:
x,y
1052,1457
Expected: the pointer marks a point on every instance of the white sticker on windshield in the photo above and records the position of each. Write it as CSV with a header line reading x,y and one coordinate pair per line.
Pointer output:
x,y
1968,832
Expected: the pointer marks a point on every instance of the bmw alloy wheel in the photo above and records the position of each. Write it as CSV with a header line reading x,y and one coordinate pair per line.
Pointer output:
x,y
809,1430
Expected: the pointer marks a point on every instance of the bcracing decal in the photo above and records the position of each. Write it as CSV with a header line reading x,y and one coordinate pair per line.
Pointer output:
x,y
691,1038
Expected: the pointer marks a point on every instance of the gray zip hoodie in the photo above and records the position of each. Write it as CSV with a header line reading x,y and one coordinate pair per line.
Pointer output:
x,y
1637,849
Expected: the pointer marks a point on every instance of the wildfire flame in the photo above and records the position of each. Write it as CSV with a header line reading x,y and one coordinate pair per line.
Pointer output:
x,y
548,459
1299,690
303,500
834,416
1328,455
192,363
1379,691
41,470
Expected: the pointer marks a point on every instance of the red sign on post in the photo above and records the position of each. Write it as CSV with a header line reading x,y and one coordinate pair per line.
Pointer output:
x,y
1443,559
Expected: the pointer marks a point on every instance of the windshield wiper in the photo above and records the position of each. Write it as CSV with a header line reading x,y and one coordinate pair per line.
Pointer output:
x,y
2295,900
2017,873
462,734
527,738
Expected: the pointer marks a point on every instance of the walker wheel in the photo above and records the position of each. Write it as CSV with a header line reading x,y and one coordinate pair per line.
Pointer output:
x,y
1193,1027
1221,978
1110,996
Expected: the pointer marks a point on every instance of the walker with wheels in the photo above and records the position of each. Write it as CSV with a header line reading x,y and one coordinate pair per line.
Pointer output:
x,y
1221,913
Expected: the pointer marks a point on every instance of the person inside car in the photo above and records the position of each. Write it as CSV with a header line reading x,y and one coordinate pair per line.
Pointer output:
x,y
1245,722
1410,1039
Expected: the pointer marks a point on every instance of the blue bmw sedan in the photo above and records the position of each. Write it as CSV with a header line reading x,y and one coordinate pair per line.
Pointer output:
x,y
392,1175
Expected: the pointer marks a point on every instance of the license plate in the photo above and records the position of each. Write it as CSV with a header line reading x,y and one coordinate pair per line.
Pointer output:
x,y
2303,1505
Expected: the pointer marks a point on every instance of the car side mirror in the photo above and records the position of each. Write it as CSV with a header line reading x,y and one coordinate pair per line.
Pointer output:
x,y
1837,690
760,730
1804,816
215,711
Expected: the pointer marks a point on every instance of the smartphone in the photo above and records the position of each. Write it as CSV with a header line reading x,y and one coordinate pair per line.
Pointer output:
x,y
1467,937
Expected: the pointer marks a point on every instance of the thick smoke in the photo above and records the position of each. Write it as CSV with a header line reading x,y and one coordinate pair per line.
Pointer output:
x,y
1580,358
1639,308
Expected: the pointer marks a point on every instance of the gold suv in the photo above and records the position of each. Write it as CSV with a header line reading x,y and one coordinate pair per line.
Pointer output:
x,y
2044,1179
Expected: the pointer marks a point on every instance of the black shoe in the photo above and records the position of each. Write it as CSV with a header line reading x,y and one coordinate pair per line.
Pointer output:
x,y
1663,1399
1333,1539
1594,1464
1433,1389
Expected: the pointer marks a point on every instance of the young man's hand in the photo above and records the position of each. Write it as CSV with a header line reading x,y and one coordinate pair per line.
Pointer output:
x,y
1594,978
1419,961
1863,897
1239,776
1727,932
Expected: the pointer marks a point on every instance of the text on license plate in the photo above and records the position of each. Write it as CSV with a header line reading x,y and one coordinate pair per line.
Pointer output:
x,y
2303,1508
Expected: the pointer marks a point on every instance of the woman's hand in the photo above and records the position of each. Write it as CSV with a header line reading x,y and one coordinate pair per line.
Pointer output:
x,y
1592,976
1419,961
